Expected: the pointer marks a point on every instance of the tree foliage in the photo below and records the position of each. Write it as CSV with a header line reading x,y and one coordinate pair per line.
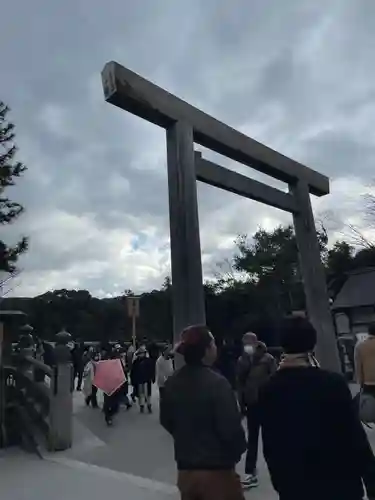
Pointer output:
x,y
10,170
271,258
339,262
269,286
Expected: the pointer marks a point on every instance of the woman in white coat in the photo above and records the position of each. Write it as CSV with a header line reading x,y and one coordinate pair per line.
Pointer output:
x,y
89,390
164,368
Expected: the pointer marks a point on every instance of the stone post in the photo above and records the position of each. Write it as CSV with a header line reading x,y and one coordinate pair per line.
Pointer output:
x,y
25,345
61,405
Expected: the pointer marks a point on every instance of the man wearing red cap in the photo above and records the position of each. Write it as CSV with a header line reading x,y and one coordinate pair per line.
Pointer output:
x,y
200,411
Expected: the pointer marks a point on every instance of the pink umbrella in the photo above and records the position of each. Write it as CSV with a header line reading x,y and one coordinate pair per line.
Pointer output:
x,y
109,376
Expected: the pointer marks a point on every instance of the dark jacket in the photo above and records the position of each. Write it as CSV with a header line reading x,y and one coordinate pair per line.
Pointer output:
x,y
253,373
143,371
49,354
313,442
200,411
226,364
77,358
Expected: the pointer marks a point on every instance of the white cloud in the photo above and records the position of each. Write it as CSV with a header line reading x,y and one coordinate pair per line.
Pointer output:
x,y
53,118
296,75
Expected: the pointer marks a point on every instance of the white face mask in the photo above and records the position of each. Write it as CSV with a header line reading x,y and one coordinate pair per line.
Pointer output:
x,y
249,349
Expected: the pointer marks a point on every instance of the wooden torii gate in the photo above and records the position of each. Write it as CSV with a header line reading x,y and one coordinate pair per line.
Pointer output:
x,y
186,125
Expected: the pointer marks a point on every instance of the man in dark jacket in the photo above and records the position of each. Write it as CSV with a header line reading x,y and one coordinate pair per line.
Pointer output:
x,y
313,442
200,411
226,362
78,363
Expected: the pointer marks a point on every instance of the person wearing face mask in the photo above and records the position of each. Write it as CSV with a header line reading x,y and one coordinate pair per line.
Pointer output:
x,y
249,340
255,367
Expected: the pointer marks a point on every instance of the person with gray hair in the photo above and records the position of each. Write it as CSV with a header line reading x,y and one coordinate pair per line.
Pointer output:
x,y
255,367
249,341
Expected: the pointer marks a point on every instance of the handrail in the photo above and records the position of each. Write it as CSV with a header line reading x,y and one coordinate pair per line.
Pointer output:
x,y
32,403
35,395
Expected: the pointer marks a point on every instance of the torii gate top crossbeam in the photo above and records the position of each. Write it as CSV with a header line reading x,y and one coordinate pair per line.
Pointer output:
x,y
131,92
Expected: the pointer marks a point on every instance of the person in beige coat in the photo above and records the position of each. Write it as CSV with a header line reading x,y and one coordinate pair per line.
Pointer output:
x,y
364,360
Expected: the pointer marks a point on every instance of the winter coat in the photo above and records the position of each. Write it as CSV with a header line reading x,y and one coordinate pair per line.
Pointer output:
x,y
200,411
226,364
253,372
142,371
313,441
88,377
164,369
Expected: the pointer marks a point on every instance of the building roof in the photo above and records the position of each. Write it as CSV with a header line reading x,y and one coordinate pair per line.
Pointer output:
x,y
358,290
8,312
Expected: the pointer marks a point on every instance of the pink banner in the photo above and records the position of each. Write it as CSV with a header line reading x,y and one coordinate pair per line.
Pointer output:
x,y
109,376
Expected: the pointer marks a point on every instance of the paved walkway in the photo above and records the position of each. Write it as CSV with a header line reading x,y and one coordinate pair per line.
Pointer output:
x,y
24,477
133,459
139,446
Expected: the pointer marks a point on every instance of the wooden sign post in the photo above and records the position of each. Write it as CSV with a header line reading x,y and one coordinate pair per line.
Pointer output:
x,y
133,313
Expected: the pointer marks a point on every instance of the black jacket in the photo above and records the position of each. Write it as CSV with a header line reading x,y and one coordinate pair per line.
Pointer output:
x,y
200,411
226,365
143,371
313,441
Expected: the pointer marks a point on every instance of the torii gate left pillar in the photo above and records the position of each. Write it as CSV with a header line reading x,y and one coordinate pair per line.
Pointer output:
x,y
187,282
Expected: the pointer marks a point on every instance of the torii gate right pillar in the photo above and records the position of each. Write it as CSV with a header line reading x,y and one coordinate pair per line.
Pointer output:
x,y
313,276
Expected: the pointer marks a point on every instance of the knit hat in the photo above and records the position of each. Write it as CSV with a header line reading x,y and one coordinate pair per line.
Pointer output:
x,y
193,336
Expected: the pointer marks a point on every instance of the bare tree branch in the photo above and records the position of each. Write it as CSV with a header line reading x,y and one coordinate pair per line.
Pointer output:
x,y
348,230
8,280
357,238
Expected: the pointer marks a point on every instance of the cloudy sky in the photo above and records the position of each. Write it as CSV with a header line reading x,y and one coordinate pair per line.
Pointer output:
x,y
294,74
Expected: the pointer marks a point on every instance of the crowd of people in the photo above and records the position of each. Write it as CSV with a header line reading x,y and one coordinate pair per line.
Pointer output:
x,y
314,443
141,368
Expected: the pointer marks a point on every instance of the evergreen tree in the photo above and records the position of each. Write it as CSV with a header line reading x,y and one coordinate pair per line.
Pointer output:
x,y
10,170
